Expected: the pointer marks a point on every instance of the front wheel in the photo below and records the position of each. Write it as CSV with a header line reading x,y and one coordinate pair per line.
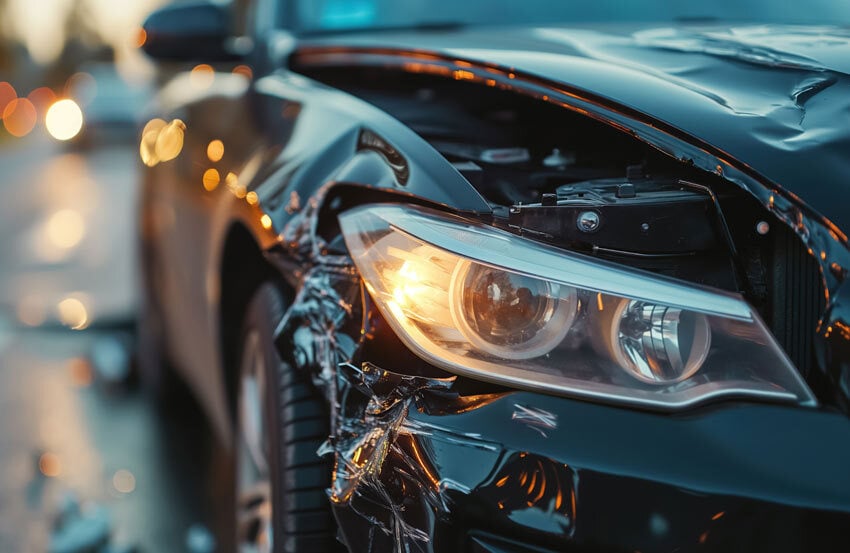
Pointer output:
x,y
281,504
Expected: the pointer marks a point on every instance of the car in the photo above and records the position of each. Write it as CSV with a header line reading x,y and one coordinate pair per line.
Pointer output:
x,y
497,276
110,105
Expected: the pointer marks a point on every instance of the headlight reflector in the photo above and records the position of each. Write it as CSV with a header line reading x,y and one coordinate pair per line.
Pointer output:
x,y
510,315
659,344
487,304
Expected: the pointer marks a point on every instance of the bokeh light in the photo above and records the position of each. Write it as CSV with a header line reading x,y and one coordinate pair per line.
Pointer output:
x,y
7,94
147,146
80,372
239,190
244,70
65,228
19,117
140,38
82,87
266,221
64,120
232,181
211,179
73,313
169,142
42,98
252,198
50,465
215,150
124,481
202,76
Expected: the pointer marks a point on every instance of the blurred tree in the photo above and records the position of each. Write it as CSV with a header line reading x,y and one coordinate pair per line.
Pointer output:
x,y
84,43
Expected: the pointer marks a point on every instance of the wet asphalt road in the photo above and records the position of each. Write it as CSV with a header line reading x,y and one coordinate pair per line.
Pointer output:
x,y
83,453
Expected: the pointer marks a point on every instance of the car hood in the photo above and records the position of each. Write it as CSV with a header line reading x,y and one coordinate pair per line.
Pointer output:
x,y
775,98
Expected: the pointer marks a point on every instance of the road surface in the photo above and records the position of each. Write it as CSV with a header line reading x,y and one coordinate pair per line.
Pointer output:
x,y
84,456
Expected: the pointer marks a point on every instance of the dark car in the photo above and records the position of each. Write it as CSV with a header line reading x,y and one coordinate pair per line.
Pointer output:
x,y
509,276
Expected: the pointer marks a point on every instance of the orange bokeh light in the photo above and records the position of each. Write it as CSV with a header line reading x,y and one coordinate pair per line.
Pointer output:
x,y
211,179
140,38
202,76
42,98
215,150
50,465
243,70
7,94
19,117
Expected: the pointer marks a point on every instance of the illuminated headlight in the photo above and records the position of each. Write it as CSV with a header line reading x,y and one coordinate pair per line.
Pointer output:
x,y
487,304
509,315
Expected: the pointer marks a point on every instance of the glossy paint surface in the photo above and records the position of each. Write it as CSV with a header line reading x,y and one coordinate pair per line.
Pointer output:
x,y
424,458
769,96
760,106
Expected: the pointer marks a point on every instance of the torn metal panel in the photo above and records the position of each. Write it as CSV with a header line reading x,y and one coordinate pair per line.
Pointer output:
x,y
402,471
322,327
299,234
373,406
390,466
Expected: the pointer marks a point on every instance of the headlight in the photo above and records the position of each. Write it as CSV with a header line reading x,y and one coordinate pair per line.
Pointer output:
x,y
487,304
509,315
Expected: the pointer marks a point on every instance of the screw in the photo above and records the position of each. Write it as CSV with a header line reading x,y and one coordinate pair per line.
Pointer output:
x,y
588,221
762,227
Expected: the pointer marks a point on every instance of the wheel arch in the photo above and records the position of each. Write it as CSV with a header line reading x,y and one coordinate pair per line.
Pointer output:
x,y
242,270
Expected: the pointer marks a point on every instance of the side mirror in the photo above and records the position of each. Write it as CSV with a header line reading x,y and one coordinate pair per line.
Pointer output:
x,y
197,31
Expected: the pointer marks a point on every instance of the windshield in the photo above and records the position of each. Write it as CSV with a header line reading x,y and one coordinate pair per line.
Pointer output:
x,y
330,15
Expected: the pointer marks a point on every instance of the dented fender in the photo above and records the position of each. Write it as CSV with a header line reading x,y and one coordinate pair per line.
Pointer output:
x,y
427,461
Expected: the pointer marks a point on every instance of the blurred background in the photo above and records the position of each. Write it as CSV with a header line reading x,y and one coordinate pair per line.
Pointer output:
x,y
87,463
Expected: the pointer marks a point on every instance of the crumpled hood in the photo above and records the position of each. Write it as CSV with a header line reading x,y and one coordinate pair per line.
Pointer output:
x,y
776,98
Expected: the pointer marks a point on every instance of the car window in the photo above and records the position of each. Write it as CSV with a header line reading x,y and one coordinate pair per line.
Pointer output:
x,y
317,15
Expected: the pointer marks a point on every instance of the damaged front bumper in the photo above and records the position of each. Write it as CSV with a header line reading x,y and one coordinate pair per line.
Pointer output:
x,y
421,470
439,463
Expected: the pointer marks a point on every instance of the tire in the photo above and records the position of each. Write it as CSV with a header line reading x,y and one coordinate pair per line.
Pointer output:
x,y
282,421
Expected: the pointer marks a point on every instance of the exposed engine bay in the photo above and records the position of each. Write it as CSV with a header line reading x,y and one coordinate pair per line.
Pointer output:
x,y
565,179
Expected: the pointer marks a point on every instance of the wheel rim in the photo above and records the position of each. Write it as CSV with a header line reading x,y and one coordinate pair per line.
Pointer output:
x,y
253,480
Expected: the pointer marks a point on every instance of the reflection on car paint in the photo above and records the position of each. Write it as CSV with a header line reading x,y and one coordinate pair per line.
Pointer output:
x,y
822,238
536,419
536,492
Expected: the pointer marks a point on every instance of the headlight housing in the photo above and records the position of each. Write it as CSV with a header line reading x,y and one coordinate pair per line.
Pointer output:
x,y
487,304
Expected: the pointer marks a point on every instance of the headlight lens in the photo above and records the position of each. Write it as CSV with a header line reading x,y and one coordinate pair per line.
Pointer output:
x,y
659,344
509,315
487,304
